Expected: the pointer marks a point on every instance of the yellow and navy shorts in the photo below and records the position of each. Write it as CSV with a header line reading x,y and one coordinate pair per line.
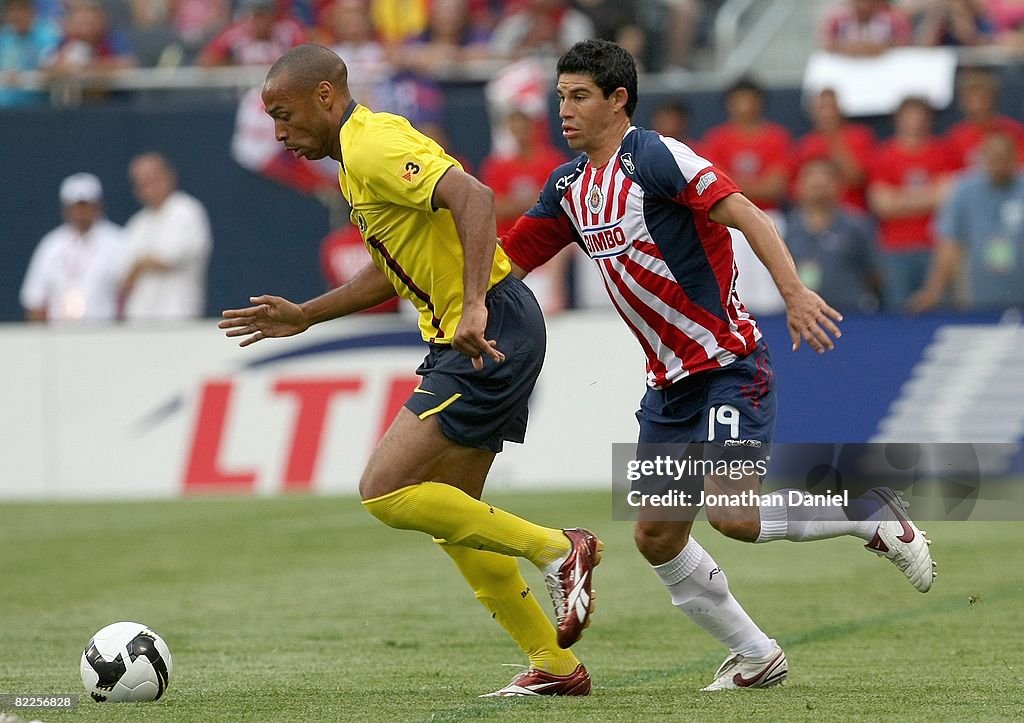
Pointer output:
x,y
486,408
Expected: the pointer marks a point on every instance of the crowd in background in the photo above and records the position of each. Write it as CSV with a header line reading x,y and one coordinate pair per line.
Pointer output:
x,y
867,218
912,222
432,37
424,37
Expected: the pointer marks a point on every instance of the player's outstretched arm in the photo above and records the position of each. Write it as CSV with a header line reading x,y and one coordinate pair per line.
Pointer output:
x,y
809,318
274,317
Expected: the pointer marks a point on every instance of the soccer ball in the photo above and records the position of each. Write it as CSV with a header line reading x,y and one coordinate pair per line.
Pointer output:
x,y
126,662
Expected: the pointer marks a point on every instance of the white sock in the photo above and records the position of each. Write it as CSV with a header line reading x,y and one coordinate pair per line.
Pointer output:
x,y
805,523
699,588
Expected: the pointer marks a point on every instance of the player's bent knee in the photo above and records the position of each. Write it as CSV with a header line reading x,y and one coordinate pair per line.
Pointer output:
x,y
658,542
395,509
737,529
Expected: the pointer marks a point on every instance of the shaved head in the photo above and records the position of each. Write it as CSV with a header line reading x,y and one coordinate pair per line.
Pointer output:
x,y
305,66
306,93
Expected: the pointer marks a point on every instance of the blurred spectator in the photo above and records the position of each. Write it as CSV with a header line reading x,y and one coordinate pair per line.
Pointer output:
x,y
676,31
540,28
672,120
75,270
198,21
168,246
259,37
981,232
864,28
26,41
616,20
398,21
342,256
153,36
516,177
950,22
453,37
254,147
847,144
907,181
754,152
1008,17
833,245
89,42
978,98
348,30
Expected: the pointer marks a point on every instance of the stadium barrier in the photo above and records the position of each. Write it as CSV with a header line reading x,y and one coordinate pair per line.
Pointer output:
x,y
114,412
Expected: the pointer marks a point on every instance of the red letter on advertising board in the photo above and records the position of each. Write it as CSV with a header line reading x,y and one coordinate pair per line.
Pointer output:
x,y
313,395
204,471
398,391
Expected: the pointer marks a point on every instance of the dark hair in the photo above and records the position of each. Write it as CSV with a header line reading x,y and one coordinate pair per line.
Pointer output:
x,y
609,65
673,106
745,84
915,100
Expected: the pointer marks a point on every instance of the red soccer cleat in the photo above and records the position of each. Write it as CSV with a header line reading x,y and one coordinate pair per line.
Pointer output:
x,y
570,587
537,682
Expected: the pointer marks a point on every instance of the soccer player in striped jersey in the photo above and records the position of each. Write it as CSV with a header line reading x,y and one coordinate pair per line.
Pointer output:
x,y
430,230
652,215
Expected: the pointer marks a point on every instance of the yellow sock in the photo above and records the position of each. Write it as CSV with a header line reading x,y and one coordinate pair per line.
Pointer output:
x,y
449,514
500,587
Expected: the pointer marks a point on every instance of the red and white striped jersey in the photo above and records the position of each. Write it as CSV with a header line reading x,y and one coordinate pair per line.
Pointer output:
x,y
668,268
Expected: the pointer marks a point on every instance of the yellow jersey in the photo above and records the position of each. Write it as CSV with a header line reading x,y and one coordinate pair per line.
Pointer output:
x,y
387,174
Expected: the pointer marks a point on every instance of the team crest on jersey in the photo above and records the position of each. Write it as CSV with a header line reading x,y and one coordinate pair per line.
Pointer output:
x,y
595,199
360,221
626,159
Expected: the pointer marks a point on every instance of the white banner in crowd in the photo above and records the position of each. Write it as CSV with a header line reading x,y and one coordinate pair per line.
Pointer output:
x,y
124,412
876,86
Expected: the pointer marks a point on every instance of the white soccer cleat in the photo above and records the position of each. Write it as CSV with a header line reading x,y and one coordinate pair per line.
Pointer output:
x,y
741,672
899,540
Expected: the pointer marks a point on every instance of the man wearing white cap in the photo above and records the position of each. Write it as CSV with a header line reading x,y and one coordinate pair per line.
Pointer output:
x,y
76,269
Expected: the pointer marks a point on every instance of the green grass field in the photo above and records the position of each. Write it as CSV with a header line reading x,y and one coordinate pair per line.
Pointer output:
x,y
308,609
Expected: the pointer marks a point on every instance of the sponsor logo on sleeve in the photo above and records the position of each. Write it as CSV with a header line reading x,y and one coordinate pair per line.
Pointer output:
x,y
409,169
704,181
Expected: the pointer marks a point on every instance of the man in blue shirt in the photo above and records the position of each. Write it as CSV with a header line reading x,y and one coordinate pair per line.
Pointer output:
x,y
981,229
26,41
832,245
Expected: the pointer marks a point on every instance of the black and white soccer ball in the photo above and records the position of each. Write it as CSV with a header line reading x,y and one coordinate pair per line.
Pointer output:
x,y
126,662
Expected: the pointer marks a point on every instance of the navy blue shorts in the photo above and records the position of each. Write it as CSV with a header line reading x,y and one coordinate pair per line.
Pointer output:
x,y
486,408
736,402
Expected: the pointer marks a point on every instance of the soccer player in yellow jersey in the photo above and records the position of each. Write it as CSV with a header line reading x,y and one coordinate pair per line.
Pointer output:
x,y
430,230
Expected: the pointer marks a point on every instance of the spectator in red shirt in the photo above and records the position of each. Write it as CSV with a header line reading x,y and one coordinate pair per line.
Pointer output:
x,y
978,99
754,152
907,182
258,38
516,177
848,145
342,256
864,28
